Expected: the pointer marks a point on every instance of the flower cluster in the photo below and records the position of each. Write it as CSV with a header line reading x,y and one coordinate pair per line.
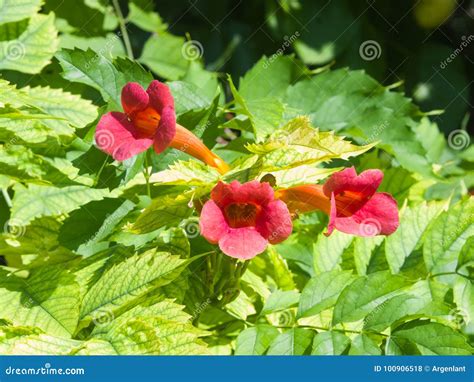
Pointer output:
x,y
243,218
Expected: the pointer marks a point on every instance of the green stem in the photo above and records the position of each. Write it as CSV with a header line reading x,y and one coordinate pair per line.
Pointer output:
x,y
331,329
449,274
100,171
146,173
7,197
123,29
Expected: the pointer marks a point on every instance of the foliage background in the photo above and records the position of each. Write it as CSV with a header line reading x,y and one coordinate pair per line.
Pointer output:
x,y
93,263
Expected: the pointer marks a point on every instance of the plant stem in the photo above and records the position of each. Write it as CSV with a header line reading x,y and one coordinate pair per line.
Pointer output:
x,y
146,173
7,197
449,274
97,177
123,29
330,329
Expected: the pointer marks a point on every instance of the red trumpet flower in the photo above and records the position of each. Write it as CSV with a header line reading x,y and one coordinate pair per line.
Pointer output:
x,y
350,200
149,119
244,218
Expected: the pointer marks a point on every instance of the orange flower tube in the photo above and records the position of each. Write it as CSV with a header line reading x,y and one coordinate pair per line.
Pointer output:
x,y
350,200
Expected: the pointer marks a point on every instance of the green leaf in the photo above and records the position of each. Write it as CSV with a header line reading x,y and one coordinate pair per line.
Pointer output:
x,y
299,143
463,294
280,300
330,343
191,173
255,340
300,175
20,163
110,44
413,223
278,269
397,181
22,340
329,29
270,79
466,256
93,69
9,94
107,214
432,338
447,235
167,330
292,342
33,49
76,111
148,21
21,127
394,309
327,251
322,291
363,251
171,63
265,114
37,201
130,279
48,299
242,307
364,294
188,97
14,10
261,89
61,110
353,102
364,345
132,71
163,211
38,242
153,336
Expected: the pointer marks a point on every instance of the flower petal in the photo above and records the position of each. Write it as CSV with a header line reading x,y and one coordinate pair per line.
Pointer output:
x,y
332,216
242,243
250,192
166,129
134,98
274,223
347,180
117,136
379,216
160,96
212,222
